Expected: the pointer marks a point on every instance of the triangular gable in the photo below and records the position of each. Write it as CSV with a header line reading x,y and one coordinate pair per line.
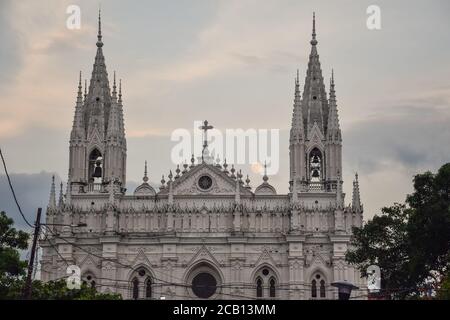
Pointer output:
x,y
222,183
203,254
315,134
88,261
141,258
265,258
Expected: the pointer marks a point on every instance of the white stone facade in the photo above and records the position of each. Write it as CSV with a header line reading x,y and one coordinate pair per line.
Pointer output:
x,y
204,233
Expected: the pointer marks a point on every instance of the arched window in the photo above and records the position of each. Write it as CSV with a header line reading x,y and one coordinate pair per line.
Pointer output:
x,y
322,289
265,280
313,289
135,288
259,288
272,288
315,165
95,165
148,288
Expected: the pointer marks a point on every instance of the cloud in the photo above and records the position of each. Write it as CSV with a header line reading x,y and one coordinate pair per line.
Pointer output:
x,y
414,136
32,191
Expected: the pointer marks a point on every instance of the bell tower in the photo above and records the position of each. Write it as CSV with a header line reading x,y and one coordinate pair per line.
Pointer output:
x,y
315,138
97,140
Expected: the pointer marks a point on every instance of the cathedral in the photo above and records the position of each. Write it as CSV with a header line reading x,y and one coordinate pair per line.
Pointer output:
x,y
204,233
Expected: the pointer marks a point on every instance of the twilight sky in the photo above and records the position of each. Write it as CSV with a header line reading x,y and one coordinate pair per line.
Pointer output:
x,y
232,62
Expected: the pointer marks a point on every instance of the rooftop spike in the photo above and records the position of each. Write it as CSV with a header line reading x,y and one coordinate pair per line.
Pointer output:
x,y
114,92
356,201
99,35
80,90
79,83
145,179
61,197
314,40
52,200
265,177
85,89
120,90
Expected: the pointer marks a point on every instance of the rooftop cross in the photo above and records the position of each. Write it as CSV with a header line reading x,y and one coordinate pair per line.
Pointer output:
x,y
205,129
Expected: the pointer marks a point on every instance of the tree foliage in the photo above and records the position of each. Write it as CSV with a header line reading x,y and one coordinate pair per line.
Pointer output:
x,y
409,242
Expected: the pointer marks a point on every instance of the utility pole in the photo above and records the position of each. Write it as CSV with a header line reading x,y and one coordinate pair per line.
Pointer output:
x,y
37,228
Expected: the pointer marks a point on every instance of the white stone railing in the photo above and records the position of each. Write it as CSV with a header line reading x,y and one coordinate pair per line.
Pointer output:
x,y
94,187
316,186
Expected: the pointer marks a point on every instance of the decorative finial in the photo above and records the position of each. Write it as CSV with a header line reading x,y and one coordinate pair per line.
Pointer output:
x,y
99,35
332,91
247,181
314,41
177,171
120,90
61,198
145,179
170,175
192,161
232,170
225,166
185,166
265,177
163,182
80,87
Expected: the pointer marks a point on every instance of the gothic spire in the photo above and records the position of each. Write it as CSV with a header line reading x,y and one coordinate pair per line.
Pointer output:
x,y
77,126
297,128
314,104
52,200
333,128
85,89
120,109
114,127
114,92
61,196
98,100
356,201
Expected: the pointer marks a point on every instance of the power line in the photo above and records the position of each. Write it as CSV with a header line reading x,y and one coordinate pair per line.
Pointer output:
x,y
12,191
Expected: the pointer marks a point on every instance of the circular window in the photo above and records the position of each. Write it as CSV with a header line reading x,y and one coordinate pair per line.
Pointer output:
x,y
205,182
142,272
265,272
204,285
